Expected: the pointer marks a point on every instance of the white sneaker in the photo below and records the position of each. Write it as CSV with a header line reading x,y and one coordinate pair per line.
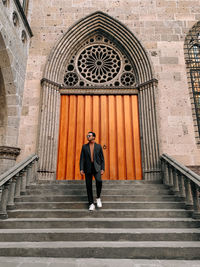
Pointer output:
x,y
99,203
91,207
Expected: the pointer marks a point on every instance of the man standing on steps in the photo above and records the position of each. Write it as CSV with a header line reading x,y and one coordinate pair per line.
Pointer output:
x,y
92,164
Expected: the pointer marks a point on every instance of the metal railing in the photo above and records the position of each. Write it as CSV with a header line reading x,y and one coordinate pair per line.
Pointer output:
x,y
13,183
183,182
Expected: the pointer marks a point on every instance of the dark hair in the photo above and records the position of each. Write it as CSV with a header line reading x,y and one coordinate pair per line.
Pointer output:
x,y
94,135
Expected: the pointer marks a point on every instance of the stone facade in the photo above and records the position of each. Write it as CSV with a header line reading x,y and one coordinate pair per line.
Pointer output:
x,y
159,25
14,44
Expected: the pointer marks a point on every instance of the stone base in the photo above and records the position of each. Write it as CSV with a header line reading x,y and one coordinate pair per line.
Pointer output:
x,y
3,216
189,207
196,215
10,207
51,176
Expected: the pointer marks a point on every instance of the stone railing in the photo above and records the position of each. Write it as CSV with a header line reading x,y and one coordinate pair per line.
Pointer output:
x,y
183,182
14,182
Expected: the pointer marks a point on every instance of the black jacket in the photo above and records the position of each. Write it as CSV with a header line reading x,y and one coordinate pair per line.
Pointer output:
x,y
85,158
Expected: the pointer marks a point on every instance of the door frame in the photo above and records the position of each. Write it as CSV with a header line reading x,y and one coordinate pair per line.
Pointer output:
x,y
97,93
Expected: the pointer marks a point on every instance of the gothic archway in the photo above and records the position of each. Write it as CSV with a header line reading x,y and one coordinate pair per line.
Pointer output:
x,y
60,77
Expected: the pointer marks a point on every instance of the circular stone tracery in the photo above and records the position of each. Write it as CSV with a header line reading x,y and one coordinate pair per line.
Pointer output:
x,y
127,79
99,63
71,79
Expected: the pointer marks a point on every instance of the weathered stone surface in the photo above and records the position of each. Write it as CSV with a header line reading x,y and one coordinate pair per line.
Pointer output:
x,y
13,59
161,27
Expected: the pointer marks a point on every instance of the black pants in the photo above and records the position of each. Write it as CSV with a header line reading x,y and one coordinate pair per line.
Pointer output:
x,y
88,180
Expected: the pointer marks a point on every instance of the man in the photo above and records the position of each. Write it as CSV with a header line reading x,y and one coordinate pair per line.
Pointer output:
x,y
92,164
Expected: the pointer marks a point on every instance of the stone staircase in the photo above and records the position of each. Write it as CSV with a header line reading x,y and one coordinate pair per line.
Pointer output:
x,y
139,219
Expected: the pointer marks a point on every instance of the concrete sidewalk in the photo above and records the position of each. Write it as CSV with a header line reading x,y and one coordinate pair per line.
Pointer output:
x,y
63,262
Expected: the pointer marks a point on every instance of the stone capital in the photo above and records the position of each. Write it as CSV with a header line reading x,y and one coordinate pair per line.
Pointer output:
x,y
7,152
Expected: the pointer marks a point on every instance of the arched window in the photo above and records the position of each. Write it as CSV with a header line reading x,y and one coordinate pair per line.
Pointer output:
x,y
192,54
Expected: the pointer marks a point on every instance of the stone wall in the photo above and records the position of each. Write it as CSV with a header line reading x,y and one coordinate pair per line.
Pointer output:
x,y
161,27
14,43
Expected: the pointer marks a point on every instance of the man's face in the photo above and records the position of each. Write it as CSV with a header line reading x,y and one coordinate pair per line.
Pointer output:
x,y
90,137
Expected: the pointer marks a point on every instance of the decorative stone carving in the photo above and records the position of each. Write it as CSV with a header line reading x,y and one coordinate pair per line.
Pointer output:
x,y
99,62
70,79
98,91
15,18
7,152
24,37
127,79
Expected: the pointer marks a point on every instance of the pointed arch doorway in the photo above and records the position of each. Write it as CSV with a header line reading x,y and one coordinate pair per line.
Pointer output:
x,y
98,58
100,63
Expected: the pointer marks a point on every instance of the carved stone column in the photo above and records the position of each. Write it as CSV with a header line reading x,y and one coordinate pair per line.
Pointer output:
x,y
11,195
4,201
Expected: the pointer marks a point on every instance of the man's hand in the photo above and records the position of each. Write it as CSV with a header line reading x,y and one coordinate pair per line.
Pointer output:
x,y
102,172
82,172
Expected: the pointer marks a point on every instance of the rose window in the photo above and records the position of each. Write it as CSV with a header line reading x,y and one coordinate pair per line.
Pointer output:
x,y
99,63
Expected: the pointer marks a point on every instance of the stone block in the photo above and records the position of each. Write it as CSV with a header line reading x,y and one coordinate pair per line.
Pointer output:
x,y
151,45
12,100
177,76
25,111
12,111
170,37
4,59
9,74
165,3
168,60
184,17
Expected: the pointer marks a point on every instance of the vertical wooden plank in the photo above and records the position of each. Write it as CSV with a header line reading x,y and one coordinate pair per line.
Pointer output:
x,y
64,116
104,133
112,138
79,134
88,114
121,157
96,118
136,138
128,138
71,139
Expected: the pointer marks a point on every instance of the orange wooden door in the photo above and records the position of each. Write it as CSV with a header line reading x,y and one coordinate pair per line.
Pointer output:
x,y
115,121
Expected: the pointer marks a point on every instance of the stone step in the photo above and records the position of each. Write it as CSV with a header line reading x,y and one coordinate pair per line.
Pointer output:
x,y
94,234
38,223
106,205
138,250
114,213
122,198
110,182
111,186
105,192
